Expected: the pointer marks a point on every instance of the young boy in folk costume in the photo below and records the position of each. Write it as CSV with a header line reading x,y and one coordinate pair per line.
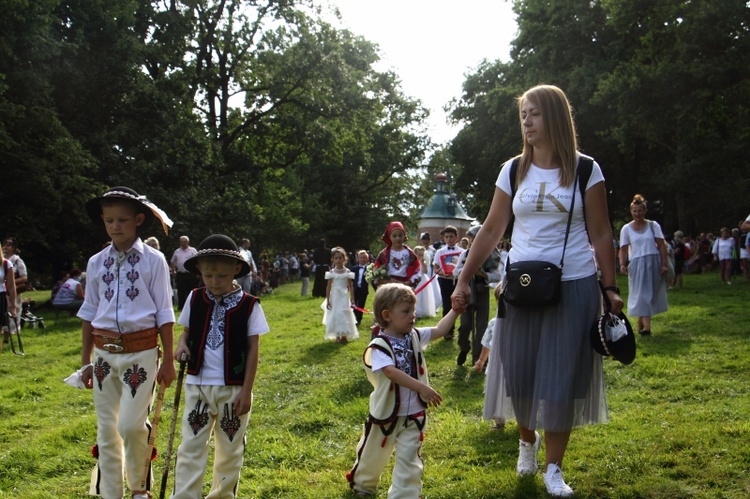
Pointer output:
x,y
127,308
395,366
402,264
222,329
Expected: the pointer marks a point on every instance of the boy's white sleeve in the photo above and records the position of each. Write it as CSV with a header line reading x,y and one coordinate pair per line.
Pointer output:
x,y
161,289
87,312
380,359
257,324
184,319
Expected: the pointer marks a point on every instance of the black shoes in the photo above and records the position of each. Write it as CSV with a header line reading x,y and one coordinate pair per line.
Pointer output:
x,y
461,359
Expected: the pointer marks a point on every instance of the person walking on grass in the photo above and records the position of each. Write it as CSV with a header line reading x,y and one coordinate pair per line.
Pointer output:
x,y
723,251
395,366
643,257
7,296
126,310
338,316
542,370
223,324
183,279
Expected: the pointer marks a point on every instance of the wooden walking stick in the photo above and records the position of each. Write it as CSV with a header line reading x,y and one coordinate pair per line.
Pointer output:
x,y
175,410
151,451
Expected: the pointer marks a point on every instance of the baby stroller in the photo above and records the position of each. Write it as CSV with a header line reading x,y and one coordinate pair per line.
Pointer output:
x,y
28,319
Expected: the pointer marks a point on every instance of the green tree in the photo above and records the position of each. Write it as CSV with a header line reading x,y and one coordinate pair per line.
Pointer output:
x,y
651,84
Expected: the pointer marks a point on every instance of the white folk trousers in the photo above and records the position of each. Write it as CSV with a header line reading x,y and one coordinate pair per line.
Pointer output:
x,y
204,407
375,449
123,392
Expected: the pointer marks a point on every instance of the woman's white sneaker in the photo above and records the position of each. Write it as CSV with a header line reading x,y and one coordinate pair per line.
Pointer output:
x,y
553,480
527,452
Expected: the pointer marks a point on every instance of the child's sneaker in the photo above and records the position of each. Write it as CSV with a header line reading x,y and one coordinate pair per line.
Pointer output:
x,y
527,452
553,480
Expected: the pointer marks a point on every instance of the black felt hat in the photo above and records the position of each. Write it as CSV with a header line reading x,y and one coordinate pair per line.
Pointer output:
x,y
218,245
622,350
143,205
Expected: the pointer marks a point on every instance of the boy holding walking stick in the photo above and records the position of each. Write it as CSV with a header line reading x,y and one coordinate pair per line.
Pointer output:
x,y
127,309
222,329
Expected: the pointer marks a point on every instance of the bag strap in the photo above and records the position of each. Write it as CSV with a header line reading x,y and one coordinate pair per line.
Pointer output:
x,y
653,233
570,219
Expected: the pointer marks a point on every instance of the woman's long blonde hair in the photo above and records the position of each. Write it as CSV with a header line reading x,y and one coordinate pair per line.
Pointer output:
x,y
560,129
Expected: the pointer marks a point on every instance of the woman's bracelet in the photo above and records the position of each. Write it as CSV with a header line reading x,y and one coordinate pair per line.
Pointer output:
x,y
612,288
87,366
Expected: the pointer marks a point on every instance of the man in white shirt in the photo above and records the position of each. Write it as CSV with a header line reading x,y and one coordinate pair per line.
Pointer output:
x,y
246,282
184,280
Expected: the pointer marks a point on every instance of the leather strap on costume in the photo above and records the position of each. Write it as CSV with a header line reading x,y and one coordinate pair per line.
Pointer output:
x,y
114,342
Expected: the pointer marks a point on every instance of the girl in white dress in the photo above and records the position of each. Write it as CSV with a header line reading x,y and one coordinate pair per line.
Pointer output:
x,y
425,297
338,317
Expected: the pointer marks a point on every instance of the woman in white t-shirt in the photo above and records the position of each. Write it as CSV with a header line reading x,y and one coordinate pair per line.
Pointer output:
x,y
723,252
542,369
7,296
642,243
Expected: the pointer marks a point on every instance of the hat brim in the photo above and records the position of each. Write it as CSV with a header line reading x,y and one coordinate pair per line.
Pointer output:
x,y
94,210
191,264
622,350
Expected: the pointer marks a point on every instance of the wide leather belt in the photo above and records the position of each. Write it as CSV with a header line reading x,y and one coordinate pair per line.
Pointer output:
x,y
114,342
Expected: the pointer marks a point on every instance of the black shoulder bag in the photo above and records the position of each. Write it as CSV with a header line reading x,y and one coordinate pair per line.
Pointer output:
x,y
536,283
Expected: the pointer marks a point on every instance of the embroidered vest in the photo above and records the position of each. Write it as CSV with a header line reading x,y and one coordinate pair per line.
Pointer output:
x,y
384,399
235,334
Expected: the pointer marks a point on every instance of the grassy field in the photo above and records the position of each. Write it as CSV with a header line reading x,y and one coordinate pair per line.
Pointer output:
x,y
679,414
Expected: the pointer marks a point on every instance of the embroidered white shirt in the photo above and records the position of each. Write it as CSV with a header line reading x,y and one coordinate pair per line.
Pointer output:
x,y
127,292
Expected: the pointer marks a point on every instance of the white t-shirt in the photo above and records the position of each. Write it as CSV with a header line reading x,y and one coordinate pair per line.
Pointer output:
x,y
541,209
723,248
212,370
641,243
410,403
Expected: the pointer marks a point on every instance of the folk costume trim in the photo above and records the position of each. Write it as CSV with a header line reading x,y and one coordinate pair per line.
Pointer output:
x,y
385,400
229,315
198,417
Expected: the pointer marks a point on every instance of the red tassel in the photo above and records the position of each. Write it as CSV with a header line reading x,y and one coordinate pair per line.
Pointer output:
x,y
349,477
385,439
421,370
421,436
154,453
95,451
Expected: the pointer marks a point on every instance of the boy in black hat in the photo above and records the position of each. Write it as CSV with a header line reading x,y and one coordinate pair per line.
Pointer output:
x,y
127,308
221,337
